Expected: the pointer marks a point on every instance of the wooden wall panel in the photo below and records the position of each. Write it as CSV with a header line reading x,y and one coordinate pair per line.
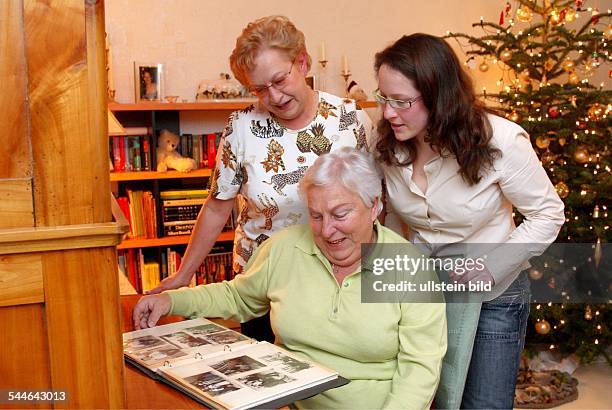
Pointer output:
x,y
21,279
16,203
24,355
13,98
82,296
69,185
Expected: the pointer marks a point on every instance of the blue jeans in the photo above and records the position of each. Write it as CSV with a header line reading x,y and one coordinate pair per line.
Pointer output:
x,y
500,338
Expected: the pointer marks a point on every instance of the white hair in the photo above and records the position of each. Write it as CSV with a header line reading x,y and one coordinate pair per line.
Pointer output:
x,y
353,169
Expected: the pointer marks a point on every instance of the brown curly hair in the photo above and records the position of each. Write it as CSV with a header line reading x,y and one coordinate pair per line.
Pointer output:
x,y
457,119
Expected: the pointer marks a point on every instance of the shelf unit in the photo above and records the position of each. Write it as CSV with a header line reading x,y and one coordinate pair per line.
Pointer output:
x,y
156,116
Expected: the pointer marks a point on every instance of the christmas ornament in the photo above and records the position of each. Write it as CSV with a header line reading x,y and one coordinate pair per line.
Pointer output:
x,y
568,65
570,15
588,313
542,327
552,283
524,14
608,32
581,124
596,112
581,155
549,64
501,18
553,111
595,16
573,101
562,141
505,56
514,116
573,78
484,67
535,274
562,189
596,212
555,18
578,3
542,142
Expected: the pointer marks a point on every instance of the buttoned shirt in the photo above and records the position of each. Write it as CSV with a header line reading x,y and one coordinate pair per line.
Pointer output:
x,y
453,212
391,352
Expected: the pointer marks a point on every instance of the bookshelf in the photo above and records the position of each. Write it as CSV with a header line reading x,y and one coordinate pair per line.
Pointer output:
x,y
151,117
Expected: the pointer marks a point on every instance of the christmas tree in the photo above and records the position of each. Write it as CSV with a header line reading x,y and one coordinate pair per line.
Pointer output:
x,y
548,51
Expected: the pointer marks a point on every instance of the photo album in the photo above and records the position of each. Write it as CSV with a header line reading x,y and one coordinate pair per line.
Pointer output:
x,y
224,369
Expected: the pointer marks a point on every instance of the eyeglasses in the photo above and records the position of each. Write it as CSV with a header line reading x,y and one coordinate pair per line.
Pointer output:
x,y
280,83
396,104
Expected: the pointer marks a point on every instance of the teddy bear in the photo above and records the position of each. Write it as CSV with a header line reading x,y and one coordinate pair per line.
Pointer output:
x,y
168,157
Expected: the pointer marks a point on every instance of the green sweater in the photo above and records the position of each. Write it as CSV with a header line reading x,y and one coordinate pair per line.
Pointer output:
x,y
391,352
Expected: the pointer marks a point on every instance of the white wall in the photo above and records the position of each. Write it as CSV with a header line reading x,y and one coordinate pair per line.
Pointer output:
x,y
195,37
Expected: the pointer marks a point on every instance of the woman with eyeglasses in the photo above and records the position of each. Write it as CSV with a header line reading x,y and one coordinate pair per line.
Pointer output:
x,y
454,171
267,147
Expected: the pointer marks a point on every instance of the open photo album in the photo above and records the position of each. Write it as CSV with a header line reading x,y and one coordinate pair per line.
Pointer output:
x,y
224,369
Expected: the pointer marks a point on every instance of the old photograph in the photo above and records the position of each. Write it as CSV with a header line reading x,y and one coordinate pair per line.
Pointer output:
x,y
237,365
265,380
212,384
286,363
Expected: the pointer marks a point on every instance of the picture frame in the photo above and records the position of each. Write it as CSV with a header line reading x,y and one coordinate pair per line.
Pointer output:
x,y
148,81
311,80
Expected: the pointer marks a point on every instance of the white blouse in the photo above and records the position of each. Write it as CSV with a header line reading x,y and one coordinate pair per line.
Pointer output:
x,y
454,212
262,162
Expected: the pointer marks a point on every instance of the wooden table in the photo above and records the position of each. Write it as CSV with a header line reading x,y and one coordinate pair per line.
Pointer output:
x,y
142,391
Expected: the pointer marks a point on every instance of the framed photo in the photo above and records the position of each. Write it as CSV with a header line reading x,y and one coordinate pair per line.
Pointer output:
x,y
311,80
148,82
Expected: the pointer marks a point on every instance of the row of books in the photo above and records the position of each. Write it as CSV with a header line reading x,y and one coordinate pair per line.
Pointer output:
x,y
180,209
131,153
144,272
140,210
135,153
201,147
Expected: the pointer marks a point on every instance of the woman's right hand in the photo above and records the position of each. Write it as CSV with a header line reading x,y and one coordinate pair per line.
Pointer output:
x,y
149,309
171,282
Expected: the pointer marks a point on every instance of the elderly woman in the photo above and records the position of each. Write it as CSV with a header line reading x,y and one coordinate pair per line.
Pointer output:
x,y
266,148
310,278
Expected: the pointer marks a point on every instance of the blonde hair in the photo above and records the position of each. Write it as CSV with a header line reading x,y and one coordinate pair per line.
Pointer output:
x,y
275,32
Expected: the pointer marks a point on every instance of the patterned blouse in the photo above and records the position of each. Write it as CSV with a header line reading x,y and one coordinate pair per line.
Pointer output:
x,y
261,162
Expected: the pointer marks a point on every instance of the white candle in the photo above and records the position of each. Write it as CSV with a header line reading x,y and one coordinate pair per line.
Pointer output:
x,y
345,67
322,52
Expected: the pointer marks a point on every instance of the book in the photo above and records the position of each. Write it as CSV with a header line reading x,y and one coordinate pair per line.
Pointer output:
x,y
224,369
